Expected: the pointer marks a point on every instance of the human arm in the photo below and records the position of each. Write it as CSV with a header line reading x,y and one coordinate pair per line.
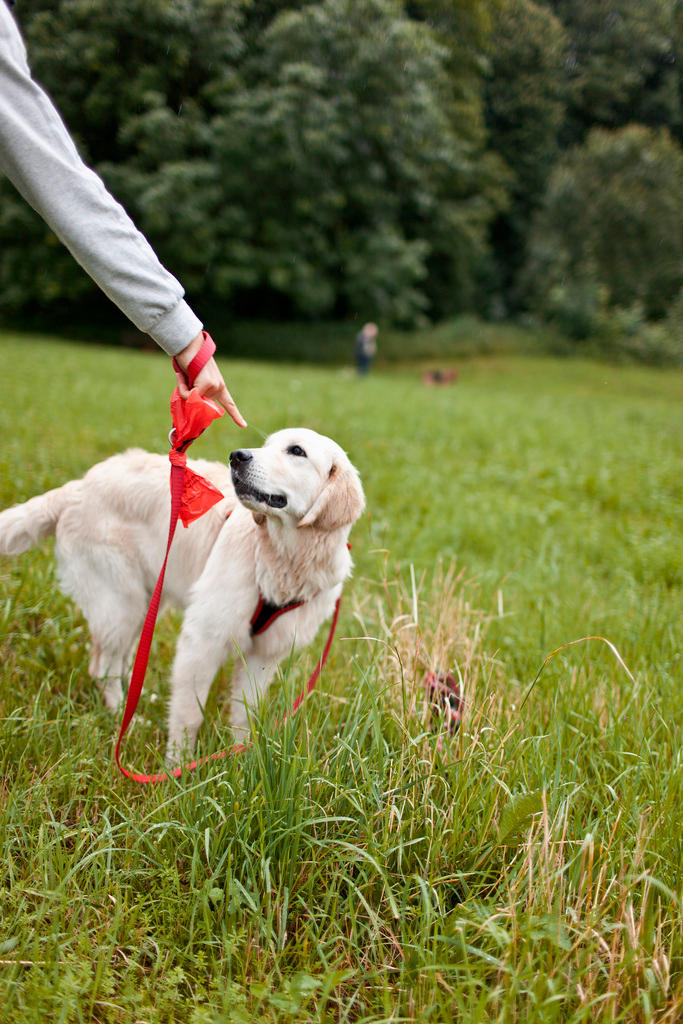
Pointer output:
x,y
39,156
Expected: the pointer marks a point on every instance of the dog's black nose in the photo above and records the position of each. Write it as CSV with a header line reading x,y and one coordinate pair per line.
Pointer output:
x,y
240,455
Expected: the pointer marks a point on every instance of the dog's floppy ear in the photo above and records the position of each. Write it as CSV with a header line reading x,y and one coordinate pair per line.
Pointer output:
x,y
340,502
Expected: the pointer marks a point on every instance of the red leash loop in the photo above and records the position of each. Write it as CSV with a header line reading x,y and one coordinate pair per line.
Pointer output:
x,y
207,349
319,667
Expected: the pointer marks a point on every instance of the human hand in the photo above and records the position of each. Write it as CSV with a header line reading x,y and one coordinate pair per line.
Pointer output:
x,y
208,382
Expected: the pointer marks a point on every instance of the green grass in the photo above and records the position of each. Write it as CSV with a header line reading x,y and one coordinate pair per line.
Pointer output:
x,y
348,867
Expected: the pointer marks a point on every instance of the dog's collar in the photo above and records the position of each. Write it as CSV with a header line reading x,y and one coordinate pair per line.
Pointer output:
x,y
266,614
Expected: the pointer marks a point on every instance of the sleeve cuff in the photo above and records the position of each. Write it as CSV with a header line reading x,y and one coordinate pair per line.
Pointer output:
x,y
176,329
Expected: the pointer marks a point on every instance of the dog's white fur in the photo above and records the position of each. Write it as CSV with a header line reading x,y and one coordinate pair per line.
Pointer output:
x,y
111,529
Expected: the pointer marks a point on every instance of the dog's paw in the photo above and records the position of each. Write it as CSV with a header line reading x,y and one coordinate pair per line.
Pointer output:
x,y
112,693
176,755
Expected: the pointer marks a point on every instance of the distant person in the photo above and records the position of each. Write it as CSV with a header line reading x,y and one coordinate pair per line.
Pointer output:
x,y
40,158
366,347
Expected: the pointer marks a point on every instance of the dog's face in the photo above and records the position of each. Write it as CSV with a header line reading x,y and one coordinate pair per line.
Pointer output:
x,y
298,476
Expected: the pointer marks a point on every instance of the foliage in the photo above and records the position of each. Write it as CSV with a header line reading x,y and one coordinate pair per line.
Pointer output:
x,y
611,228
345,868
393,159
128,73
608,66
347,116
130,85
628,334
526,93
624,62
322,170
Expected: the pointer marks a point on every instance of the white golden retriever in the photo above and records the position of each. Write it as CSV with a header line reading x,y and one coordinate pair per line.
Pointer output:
x,y
278,536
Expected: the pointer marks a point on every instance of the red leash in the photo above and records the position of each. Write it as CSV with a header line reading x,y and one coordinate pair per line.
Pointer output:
x,y
191,417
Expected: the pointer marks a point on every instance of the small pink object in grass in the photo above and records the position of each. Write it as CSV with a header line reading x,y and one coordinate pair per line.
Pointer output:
x,y
445,700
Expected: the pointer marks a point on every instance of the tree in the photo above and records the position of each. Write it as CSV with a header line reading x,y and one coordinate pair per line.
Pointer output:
x,y
133,82
526,93
623,59
335,165
355,180
610,231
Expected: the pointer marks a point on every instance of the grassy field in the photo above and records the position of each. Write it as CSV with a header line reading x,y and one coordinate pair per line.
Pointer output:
x,y
351,866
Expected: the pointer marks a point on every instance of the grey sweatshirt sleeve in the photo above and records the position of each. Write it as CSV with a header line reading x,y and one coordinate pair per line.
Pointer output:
x,y
40,158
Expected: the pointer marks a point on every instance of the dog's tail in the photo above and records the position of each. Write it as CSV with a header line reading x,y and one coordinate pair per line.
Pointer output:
x,y
22,526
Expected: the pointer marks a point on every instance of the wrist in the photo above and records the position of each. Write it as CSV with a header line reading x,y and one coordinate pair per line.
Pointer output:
x,y
185,357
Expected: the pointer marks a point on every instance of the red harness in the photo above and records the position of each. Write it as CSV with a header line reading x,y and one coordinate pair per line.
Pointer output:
x,y
191,496
266,614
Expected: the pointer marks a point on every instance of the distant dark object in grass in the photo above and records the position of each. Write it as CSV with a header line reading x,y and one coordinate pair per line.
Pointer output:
x,y
439,378
445,700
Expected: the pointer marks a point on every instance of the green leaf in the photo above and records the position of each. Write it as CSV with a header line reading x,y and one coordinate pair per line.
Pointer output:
x,y
517,814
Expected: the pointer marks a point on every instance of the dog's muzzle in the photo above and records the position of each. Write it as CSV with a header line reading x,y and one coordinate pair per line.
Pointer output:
x,y
240,467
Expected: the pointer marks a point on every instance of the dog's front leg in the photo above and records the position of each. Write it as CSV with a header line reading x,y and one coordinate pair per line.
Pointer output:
x,y
250,677
199,655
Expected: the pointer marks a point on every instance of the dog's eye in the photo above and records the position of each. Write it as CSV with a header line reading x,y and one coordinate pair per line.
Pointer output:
x,y
295,449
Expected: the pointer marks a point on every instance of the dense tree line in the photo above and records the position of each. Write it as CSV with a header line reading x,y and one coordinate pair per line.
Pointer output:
x,y
399,160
